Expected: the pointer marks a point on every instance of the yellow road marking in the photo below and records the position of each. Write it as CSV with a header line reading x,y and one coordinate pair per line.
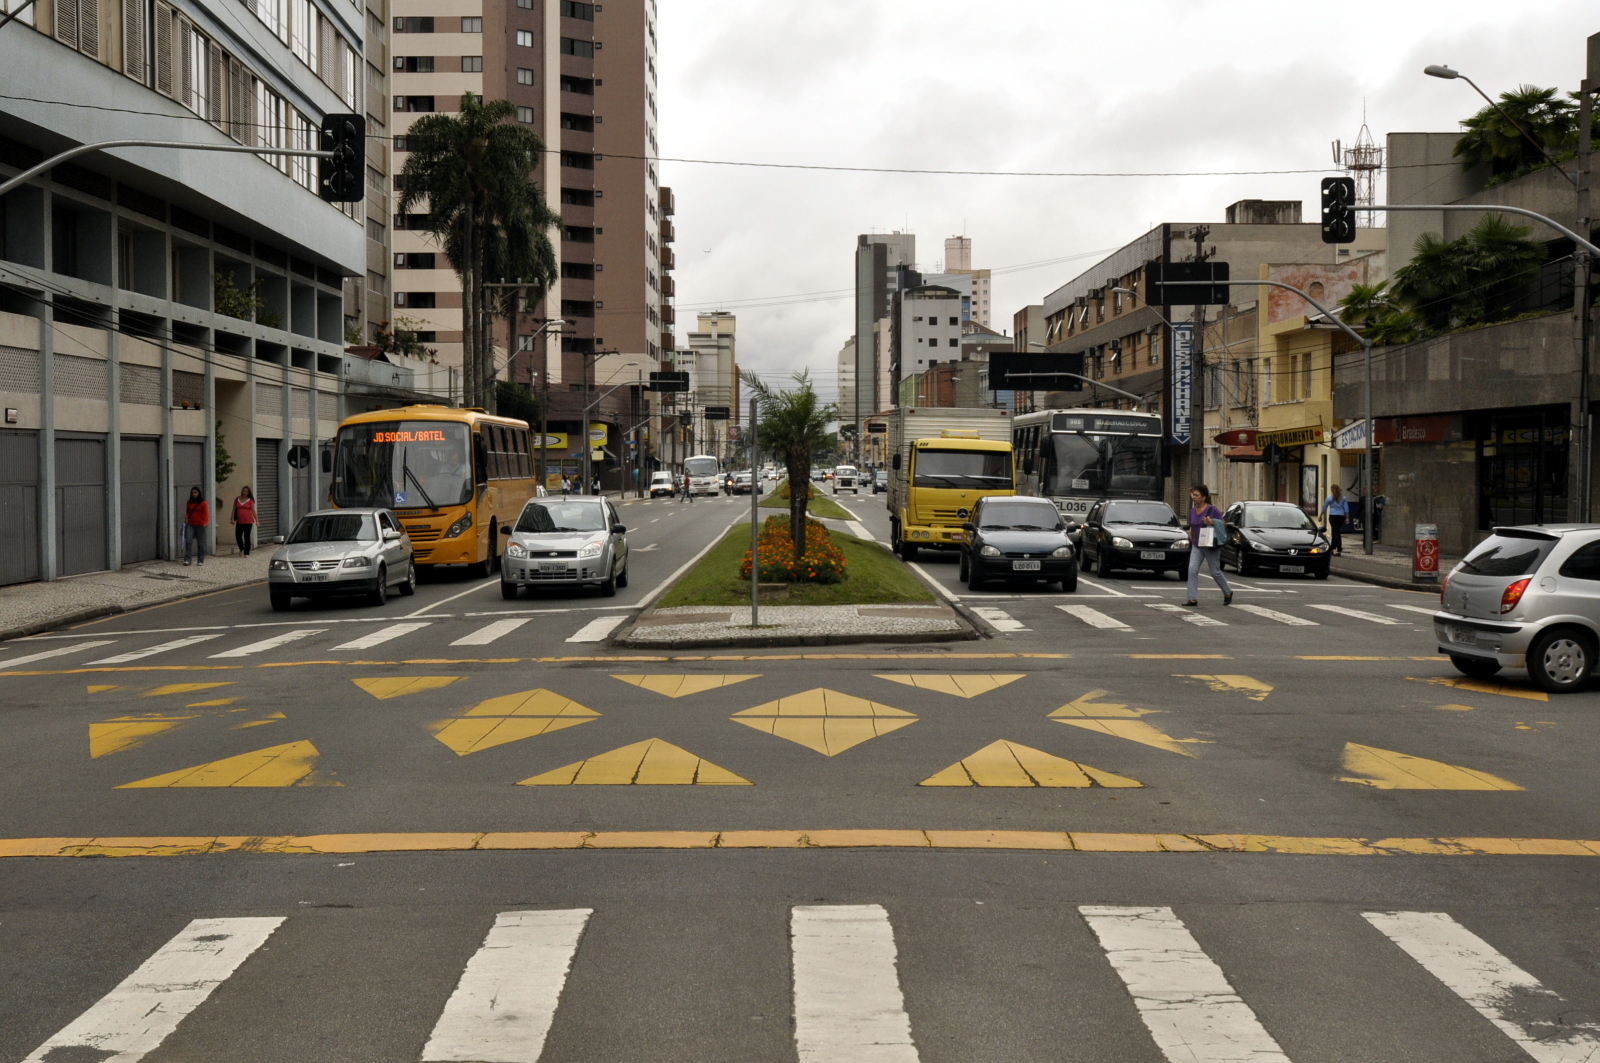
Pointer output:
x,y
825,720
1480,686
962,686
1133,731
1087,707
209,704
1178,656
539,702
652,762
98,688
1385,769
399,686
182,688
680,686
271,718
128,732
1079,841
823,702
473,735
1254,689
1010,764
1455,708
291,764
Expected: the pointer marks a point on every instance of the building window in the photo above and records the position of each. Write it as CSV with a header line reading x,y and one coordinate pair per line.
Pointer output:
x,y
577,160
582,86
472,64
524,38
578,271
579,234
525,3
472,25
413,64
577,197
572,9
954,342
525,115
417,104
416,300
577,308
375,230
583,49
524,76
414,260
414,25
580,122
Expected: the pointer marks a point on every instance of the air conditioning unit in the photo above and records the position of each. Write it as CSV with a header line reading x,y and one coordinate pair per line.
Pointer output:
x,y
1097,293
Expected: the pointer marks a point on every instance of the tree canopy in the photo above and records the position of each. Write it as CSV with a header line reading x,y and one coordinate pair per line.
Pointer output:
x,y
794,425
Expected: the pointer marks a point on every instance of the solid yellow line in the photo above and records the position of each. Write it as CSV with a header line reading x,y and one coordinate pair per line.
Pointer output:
x,y
1079,841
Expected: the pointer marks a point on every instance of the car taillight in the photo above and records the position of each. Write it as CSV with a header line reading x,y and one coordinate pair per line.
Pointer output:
x,y
1513,595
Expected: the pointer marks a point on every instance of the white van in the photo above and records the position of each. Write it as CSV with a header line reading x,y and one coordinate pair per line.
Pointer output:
x,y
661,483
845,478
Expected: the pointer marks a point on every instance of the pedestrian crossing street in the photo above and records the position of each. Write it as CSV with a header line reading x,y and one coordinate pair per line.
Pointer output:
x,y
855,985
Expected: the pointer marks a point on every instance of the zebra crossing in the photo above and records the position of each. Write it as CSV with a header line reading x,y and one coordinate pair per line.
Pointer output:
x,y
1126,615
854,991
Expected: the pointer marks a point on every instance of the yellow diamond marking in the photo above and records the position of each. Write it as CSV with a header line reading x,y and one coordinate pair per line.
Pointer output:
x,y
128,732
399,686
270,718
209,704
652,762
1089,708
530,703
823,702
182,688
291,764
1133,731
1387,770
678,686
1254,689
475,733
1009,764
828,735
962,686
1481,686
96,688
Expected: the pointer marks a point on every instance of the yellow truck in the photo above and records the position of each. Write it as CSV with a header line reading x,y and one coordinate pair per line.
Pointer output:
x,y
942,460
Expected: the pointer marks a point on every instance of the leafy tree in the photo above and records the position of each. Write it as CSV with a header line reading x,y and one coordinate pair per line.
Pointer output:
x,y
1497,143
516,400
224,461
1472,280
1375,311
794,423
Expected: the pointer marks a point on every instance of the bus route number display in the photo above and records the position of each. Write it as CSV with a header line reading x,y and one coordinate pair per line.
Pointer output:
x,y
432,435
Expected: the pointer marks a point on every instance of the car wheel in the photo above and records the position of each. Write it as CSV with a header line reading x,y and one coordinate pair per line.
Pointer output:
x,y
1102,569
1321,573
608,589
974,579
409,587
907,551
622,577
1561,659
962,576
1070,584
508,591
281,603
1476,667
380,593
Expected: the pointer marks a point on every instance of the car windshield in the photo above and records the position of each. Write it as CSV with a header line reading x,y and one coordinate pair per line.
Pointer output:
x,y
1277,517
1140,513
335,528
963,468
1508,555
1019,516
402,465
543,518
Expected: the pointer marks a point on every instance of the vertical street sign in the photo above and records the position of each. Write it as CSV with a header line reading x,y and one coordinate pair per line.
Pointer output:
x,y
1182,382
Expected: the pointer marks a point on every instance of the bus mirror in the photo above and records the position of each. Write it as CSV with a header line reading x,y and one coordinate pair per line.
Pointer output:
x,y
896,463
327,461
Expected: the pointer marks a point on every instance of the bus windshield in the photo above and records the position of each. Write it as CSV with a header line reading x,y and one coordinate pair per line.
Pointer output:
x,y
403,465
982,469
1127,466
700,466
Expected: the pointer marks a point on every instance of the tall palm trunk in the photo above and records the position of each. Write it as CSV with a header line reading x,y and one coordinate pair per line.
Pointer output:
x,y
799,490
469,332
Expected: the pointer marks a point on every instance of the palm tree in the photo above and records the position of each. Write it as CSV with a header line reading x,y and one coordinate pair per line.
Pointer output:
x,y
1499,144
794,423
472,170
1373,310
1429,283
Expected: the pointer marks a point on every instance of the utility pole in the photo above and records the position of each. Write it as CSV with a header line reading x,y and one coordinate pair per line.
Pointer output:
x,y
1582,326
1197,418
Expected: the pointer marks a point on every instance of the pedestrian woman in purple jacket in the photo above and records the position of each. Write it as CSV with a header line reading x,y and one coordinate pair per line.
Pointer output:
x,y
1205,542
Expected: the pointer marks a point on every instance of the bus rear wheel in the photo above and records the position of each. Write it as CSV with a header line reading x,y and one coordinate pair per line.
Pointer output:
x,y
483,569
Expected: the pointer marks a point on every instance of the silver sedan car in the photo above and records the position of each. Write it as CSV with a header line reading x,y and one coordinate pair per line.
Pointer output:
x,y
1526,597
340,552
565,542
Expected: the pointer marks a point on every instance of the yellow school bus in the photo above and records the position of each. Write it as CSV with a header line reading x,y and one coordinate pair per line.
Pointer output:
x,y
454,477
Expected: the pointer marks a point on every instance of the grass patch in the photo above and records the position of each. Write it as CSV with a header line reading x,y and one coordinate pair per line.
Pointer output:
x,y
818,505
874,576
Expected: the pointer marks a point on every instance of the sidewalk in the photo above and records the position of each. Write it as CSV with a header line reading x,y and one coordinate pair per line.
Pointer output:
x,y
28,608
1388,566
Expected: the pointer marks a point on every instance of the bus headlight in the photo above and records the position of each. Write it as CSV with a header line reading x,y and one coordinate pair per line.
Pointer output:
x,y
459,526
514,549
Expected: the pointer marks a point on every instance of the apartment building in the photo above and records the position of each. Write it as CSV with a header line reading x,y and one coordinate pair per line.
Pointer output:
x,y
884,263
958,262
712,362
159,307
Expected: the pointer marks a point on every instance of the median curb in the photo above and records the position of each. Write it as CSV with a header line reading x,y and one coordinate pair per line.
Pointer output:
x,y
777,641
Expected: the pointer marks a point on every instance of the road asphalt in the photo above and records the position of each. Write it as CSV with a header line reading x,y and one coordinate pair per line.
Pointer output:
x,y
460,828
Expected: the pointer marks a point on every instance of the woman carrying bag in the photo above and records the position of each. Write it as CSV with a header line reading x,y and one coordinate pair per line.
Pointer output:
x,y
244,519
1205,539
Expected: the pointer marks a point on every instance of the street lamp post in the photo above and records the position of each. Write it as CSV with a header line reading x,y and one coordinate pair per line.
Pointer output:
x,y
583,427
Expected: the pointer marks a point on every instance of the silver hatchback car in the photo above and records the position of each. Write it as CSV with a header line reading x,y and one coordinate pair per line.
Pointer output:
x,y
343,551
571,542
1526,597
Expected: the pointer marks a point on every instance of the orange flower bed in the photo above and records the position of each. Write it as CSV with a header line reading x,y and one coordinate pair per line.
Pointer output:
x,y
823,561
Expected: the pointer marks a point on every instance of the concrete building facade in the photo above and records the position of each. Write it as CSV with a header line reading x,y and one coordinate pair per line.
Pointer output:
x,y
712,362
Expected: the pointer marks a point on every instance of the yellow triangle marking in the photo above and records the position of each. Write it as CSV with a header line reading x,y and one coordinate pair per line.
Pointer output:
x,y
271,718
471,734
678,686
291,764
1087,707
399,686
828,735
96,688
1254,689
962,686
652,762
1009,764
823,702
1133,731
1481,686
1387,770
209,704
530,703
114,736
182,688
1454,708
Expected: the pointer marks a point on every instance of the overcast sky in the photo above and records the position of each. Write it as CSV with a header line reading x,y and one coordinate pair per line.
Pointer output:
x,y
1050,85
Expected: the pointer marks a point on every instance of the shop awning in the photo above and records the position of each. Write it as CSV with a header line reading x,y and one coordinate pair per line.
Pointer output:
x,y
1236,437
1242,454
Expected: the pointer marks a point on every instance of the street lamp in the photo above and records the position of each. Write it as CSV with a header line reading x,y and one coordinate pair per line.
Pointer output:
x,y
583,428
1439,70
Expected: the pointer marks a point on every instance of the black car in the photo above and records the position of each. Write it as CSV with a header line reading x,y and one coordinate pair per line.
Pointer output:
x,y
1017,539
1273,537
1130,534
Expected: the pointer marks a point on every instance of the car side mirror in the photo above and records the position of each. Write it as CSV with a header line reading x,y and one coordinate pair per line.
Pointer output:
x,y
620,529
390,535
505,529
969,527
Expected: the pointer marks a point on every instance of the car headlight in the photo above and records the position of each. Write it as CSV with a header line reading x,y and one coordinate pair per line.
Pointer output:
x,y
1256,544
515,549
1061,551
1315,550
990,551
591,549
1119,541
1180,544
280,565
459,526
359,561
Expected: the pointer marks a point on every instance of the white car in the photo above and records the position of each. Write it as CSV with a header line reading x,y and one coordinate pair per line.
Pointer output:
x,y
846,478
662,483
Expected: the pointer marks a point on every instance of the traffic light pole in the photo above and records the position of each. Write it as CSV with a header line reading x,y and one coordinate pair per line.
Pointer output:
x,y
84,149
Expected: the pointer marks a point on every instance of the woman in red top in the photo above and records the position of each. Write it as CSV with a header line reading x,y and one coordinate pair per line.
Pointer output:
x,y
196,518
244,519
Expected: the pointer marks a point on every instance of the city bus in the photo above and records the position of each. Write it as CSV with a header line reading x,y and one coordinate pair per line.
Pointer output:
x,y
705,474
454,477
1079,457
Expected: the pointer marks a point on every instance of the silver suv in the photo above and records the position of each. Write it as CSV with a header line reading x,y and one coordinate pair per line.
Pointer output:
x,y
1526,597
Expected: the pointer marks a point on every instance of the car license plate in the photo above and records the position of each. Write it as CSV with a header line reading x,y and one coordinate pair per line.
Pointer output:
x,y
317,577
1025,566
552,566
1291,568
1152,555
1463,636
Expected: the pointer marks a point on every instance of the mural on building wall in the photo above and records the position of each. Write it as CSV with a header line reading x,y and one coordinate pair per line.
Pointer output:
x,y
1325,283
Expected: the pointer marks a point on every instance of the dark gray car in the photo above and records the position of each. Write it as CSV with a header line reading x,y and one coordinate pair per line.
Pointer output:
x,y
1017,540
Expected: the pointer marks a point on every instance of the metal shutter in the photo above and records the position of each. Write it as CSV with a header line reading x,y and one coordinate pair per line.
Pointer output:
x,y
66,17
241,104
141,500
216,75
80,506
184,53
88,26
133,42
266,488
164,28
19,506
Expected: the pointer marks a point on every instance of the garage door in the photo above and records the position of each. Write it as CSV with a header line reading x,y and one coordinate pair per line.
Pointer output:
x,y
266,490
19,506
141,500
80,505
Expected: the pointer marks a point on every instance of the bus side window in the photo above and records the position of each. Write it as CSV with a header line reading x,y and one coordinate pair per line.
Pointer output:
x,y
501,464
480,458
524,457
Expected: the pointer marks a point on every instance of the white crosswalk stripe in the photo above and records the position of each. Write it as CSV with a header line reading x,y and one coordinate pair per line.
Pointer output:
x,y
1273,614
848,1007
59,651
270,644
506,1000
598,630
151,651
1094,617
490,632
1358,614
1185,1000
1415,608
1187,614
1497,989
135,1017
1000,620
382,635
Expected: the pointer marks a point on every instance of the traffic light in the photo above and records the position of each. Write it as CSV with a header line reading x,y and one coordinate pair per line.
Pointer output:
x,y
340,178
1338,210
